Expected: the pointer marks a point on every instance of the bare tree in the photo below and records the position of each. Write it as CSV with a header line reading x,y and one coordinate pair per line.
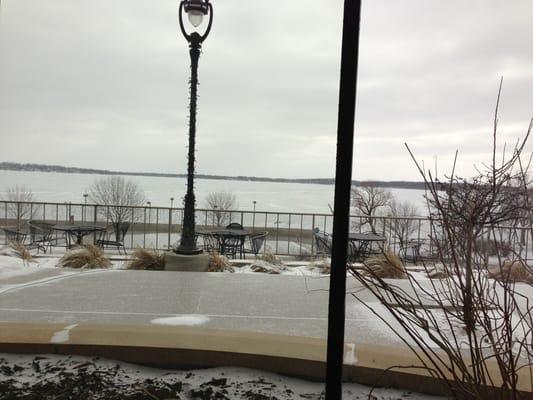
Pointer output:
x,y
402,224
220,203
369,201
19,199
471,329
118,195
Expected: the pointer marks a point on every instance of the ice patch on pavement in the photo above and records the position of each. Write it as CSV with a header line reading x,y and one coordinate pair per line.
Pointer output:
x,y
349,355
187,320
64,335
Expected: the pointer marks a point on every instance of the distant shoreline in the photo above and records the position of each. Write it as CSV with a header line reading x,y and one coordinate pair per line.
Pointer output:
x,y
11,166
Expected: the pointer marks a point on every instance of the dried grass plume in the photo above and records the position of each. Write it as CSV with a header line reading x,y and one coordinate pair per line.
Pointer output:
x,y
218,263
87,256
147,259
512,271
386,265
17,249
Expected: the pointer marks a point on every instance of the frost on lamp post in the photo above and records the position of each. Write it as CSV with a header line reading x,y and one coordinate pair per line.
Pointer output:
x,y
195,10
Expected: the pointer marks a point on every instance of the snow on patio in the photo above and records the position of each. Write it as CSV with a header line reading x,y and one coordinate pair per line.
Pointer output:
x,y
74,376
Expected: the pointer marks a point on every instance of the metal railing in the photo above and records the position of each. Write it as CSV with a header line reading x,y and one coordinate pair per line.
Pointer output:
x,y
288,233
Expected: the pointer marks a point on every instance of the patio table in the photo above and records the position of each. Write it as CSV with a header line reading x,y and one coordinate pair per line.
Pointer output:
x,y
224,236
79,230
362,242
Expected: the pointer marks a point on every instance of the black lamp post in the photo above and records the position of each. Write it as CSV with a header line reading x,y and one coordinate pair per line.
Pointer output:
x,y
195,9
84,205
253,217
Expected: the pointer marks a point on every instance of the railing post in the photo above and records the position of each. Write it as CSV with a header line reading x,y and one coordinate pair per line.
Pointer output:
x,y
170,226
95,220
157,228
312,237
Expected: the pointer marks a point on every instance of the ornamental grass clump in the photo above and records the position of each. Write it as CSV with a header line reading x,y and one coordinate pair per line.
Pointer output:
x,y
265,267
323,264
512,271
386,265
147,259
17,249
86,256
271,258
218,263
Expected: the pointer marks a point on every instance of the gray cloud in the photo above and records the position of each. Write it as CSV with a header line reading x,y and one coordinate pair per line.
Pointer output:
x,y
105,84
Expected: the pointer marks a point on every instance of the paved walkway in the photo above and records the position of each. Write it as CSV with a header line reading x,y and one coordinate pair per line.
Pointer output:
x,y
290,305
275,322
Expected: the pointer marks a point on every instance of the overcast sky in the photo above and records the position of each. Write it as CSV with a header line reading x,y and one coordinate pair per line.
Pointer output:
x,y
104,84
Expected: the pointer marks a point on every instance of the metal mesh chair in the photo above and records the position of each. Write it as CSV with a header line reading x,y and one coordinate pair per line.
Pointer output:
x,y
120,231
256,242
42,236
232,245
322,242
210,242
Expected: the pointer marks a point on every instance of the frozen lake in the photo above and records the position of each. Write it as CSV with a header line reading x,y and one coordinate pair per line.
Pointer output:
x,y
270,196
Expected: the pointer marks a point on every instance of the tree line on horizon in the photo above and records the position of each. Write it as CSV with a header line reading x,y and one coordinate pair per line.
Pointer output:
x,y
12,166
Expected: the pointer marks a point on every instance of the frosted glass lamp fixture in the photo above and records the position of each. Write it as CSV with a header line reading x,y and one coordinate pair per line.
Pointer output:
x,y
196,9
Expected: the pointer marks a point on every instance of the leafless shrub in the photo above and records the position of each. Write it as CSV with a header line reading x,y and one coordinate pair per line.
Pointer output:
x,y
147,260
19,207
86,256
219,263
473,333
402,226
119,196
369,201
386,265
220,203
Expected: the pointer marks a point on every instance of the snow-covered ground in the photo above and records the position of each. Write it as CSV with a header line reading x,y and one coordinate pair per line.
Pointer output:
x,y
24,374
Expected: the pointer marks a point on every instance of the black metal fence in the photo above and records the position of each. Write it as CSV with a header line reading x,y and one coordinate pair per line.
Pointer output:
x,y
288,233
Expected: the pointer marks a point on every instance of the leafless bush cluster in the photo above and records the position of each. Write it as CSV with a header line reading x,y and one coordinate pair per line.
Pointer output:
x,y
119,195
472,332
220,203
368,202
19,207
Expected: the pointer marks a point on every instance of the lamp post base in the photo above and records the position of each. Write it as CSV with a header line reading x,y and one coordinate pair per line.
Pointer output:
x,y
186,262
186,251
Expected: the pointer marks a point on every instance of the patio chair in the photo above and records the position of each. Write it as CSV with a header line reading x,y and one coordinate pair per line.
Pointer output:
x,y
322,242
256,242
232,246
12,235
234,225
416,250
120,230
210,242
43,237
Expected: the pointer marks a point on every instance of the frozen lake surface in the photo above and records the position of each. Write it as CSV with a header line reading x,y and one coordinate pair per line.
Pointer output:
x,y
270,196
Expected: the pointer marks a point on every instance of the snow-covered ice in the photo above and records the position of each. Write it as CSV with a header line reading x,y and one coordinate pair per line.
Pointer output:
x,y
182,320
63,335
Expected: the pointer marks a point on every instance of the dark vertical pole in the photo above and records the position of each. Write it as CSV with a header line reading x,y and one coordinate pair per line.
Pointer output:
x,y
188,237
343,182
